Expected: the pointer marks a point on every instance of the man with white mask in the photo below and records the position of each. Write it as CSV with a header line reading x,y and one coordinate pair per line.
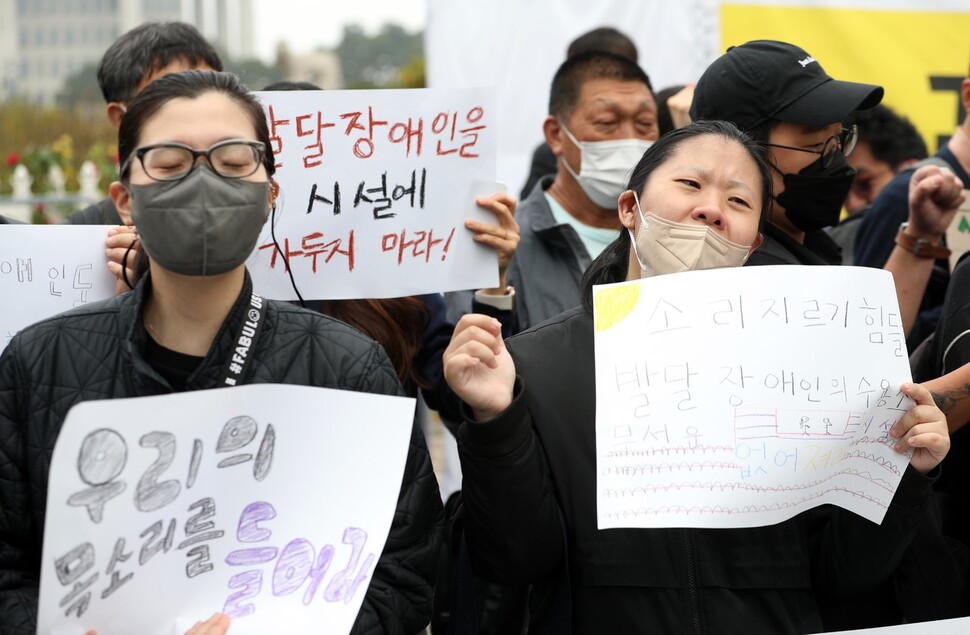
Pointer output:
x,y
602,118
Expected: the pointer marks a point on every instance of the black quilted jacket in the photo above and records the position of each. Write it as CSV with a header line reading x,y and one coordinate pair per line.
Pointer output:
x,y
95,352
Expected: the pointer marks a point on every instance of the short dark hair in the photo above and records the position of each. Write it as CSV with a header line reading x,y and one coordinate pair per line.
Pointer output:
x,y
286,85
612,264
189,85
576,71
147,48
891,137
605,39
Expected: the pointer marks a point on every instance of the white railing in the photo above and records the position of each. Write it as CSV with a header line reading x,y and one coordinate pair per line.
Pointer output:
x,y
22,202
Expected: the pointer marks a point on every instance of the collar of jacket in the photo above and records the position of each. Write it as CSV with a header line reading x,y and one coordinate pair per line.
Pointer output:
x,y
136,339
538,214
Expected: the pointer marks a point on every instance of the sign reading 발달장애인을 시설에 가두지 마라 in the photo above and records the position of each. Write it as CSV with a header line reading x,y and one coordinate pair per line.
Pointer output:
x,y
203,503
740,397
375,188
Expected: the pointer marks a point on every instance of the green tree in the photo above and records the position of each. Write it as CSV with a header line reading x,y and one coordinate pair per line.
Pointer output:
x,y
81,89
38,136
375,61
412,74
254,73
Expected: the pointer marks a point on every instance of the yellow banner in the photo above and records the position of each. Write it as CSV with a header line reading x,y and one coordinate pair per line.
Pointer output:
x,y
920,57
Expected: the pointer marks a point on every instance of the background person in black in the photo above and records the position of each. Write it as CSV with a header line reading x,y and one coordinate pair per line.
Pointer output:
x,y
888,143
946,369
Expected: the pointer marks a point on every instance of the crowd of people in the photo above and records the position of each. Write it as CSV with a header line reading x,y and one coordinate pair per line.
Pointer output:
x,y
762,153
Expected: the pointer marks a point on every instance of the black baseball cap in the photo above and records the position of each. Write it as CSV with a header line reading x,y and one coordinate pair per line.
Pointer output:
x,y
764,79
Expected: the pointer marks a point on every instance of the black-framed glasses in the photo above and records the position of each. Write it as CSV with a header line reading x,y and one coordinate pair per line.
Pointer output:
x,y
844,141
233,159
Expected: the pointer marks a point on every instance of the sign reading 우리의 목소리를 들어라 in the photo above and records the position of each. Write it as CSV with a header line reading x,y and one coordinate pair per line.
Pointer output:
x,y
270,503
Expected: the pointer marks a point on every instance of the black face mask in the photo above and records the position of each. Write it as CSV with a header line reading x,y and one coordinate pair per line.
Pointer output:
x,y
813,198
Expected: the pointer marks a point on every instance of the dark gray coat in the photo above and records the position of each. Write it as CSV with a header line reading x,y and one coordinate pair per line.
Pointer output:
x,y
548,265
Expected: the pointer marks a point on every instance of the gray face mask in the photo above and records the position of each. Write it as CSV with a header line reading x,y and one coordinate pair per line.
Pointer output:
x,y
203,225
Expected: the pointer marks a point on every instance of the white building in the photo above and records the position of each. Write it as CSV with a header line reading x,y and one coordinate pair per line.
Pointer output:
x,y
42,42
321,67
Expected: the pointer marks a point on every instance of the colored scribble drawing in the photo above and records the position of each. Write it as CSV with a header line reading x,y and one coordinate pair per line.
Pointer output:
x,y
612,304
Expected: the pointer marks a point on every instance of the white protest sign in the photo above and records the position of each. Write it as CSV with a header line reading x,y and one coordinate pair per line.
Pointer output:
x,y
958,233
48,269
741,397
956,626
270,503
376,186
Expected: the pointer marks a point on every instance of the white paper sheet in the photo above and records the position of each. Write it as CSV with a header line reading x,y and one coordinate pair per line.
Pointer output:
x,y
376,186
958,626
48,269
741,397
271,503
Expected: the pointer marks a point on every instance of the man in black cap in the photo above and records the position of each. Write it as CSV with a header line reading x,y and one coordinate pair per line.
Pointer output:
x,y
781,96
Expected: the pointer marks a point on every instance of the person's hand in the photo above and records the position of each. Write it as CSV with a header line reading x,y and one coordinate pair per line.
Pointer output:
x,y
120,240
935,193
678,105
503,237
218,624
478,367
923,427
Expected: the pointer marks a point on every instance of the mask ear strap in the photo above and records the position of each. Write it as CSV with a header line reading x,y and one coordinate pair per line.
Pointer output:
x,y
576,142
633,236
124,262
636,199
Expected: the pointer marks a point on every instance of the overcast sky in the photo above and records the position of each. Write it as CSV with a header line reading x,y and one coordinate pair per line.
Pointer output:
x,y
307,26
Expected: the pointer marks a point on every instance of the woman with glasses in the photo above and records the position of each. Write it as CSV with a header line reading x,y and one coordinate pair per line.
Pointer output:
x,y
196,178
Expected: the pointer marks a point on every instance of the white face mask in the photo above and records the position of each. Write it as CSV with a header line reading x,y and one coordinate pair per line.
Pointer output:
x,y
604,166
662,246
